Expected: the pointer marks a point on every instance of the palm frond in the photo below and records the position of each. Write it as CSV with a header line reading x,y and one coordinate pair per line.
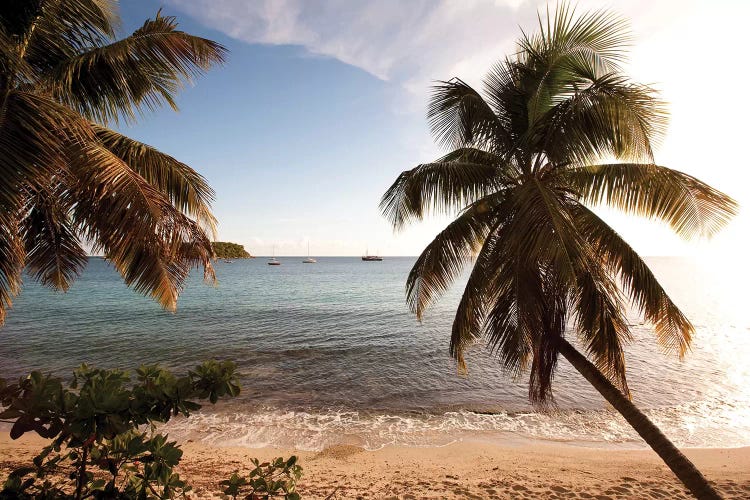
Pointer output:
x,y
673,330
459,117
508,103
49,32
151,243
599,320
443,259
477,297
54,255
11,259
570,48
451,183
610,117
186,189
34,131
140,72
690,207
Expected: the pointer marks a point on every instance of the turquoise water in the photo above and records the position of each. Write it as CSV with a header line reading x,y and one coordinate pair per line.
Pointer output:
x,y
330,354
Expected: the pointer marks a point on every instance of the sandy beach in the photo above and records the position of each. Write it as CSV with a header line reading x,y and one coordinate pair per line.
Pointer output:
x,y
461,470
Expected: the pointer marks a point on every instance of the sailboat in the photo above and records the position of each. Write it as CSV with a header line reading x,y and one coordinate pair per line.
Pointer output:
x,y
272,261
309,260
370,258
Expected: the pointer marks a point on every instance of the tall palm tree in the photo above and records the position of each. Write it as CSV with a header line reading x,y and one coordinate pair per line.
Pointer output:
x,y
557,129
66,180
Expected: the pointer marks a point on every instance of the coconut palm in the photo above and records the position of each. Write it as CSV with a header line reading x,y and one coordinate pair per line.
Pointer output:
x,y
66,180
558,128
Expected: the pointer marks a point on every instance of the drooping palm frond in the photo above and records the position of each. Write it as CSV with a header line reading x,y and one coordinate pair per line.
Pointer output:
x,y
151,243
448,254
33,134
673,330
186,189
11,258
447,185
477,297
144,70
611,117
690,207
54,255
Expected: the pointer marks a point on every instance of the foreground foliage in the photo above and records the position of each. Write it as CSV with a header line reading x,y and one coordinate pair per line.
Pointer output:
x,y
557,129
102,427
277,478
65,177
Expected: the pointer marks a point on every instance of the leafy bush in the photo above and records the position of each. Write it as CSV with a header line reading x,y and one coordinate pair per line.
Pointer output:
x,y
103,429
269,479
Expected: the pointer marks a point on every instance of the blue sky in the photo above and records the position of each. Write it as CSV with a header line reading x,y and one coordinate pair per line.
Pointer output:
x,y
322,104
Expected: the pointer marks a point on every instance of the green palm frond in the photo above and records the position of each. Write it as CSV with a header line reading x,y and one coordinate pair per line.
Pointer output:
x,y
570,49
460,117
144,70
598,312
477,297
449,184
186,189
611,117
673,329
448,254
690,207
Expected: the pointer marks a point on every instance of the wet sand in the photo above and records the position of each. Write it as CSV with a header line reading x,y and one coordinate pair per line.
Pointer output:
x,y
462,470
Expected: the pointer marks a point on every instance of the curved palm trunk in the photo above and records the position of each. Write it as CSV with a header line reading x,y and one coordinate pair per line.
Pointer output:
x,y
679,463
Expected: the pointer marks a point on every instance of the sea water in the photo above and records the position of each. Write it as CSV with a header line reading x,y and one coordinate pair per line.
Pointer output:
x,y
329,354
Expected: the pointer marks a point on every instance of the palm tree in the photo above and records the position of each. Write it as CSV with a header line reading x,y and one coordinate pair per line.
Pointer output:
x,y
66,180
558,128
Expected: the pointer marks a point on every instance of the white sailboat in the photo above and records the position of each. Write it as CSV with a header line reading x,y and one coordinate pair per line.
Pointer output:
x,y
309,260
272,261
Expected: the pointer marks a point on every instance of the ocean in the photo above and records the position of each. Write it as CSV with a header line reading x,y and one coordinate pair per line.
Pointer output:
x,y
329,354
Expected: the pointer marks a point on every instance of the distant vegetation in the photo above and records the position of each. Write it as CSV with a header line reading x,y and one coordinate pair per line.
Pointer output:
x,y
226,250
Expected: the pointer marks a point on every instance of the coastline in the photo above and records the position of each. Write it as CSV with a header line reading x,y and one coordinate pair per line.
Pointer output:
x,y
468,469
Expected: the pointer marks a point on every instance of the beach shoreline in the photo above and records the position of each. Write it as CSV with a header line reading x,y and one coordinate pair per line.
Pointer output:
x,y
469,469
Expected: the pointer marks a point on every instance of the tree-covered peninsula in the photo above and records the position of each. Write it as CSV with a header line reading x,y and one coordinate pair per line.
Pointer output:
x,y
226,250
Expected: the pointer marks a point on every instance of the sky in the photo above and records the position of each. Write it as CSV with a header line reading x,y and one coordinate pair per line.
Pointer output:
x,y
321,104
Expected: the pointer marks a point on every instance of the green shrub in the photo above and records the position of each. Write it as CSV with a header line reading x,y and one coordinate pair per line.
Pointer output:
x,y
269,479
102,427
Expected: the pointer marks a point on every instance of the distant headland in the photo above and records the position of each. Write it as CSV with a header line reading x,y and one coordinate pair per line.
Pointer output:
x,y
226,250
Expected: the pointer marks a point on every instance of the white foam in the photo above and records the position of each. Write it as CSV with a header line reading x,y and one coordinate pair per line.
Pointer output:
x,y
703,424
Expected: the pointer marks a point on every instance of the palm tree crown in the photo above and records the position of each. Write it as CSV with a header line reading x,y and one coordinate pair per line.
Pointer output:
x,y
557,128
66,178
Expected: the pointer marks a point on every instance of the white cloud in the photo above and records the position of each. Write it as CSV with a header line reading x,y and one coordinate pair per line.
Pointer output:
x,y
408,42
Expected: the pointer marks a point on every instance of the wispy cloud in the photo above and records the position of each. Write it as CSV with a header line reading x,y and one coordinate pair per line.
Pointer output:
x,y
410,43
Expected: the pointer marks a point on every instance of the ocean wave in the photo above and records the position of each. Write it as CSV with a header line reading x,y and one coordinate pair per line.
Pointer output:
x,y
700,424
